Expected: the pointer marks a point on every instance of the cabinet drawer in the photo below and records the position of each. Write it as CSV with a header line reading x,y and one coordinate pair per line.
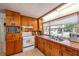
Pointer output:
x,y
66,51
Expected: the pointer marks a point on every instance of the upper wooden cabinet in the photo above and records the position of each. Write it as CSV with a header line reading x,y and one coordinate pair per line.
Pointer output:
x,y
35,25
28,21
12,18
24,20
40,25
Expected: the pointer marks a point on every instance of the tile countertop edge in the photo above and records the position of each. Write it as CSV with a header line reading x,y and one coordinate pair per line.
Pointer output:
x,y
72,45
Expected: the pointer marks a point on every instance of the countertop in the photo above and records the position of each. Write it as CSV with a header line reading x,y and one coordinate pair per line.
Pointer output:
x,y
67,43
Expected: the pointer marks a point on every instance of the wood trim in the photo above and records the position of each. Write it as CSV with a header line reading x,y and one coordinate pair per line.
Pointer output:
x,y
11,11
38,24
19,13
29,17
52,10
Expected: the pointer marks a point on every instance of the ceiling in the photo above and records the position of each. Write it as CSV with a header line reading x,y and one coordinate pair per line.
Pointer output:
x,y
34,10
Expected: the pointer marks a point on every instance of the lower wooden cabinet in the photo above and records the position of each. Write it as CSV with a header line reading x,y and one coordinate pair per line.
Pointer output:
x,y
13,43
55,49
66,51
50,48
36,42
9,47
47,48
18,46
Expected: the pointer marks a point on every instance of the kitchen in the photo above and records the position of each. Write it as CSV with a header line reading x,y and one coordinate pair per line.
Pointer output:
x,y
52,31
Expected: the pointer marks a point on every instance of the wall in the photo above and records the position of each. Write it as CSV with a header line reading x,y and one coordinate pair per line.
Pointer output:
x,y
2,32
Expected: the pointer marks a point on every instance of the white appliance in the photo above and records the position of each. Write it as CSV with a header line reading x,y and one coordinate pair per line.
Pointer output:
x,y
74,37
28,39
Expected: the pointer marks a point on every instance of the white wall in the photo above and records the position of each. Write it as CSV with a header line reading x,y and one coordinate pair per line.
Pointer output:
x,y
2,32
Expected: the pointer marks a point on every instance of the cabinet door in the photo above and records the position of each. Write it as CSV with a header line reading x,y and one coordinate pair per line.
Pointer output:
x,y
30,21
9,47
55,49
36,42
12,18
35,25
17,43
24,21
9,20
39,44
17,19
47,48
40,25
9,37
9,44
43,45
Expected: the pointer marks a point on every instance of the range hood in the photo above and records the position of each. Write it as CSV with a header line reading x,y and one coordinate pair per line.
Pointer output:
x,y
27,26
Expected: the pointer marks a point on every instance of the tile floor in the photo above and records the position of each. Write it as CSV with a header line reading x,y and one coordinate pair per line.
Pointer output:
x,y
30,51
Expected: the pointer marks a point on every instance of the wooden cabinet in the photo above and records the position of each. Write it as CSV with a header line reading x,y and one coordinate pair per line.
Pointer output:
x,y
39,44
18,43
18,46
9,47
13,43
9,20
66,51
40,25
28,21
50,48
47,48
36,42
55,49
17,20
24,20
13,39
12,18
9,37
35,25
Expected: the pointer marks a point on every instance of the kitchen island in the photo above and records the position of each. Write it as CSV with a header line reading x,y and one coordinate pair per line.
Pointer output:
x,y
52,47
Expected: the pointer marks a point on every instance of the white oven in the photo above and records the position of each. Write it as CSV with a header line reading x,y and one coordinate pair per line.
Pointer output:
x,y
28,39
